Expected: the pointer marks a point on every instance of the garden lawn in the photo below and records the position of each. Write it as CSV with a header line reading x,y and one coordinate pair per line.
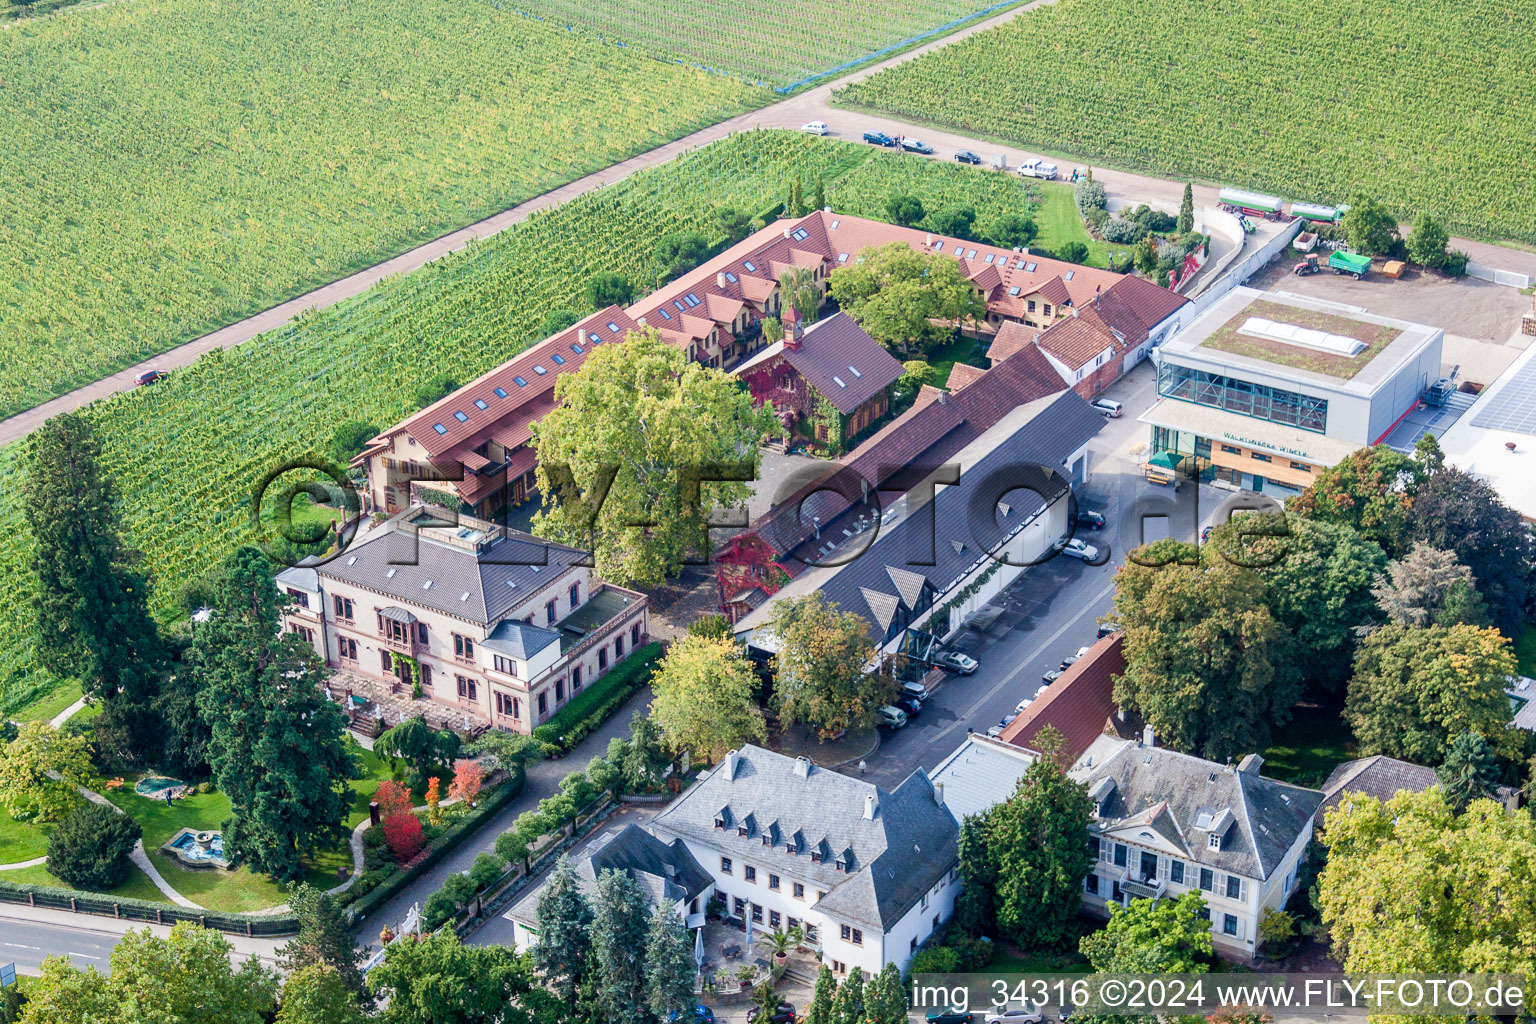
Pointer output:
x,y
1305,751
136,887
21,840
375,770
1059,221
944,358
1525,651
50,704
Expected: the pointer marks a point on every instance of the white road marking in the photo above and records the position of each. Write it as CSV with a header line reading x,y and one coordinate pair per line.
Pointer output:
x,y
17,945
84,956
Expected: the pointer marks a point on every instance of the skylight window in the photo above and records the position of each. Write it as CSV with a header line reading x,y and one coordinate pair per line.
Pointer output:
x,y
460,416
855,371
520,382
835,224
576,347
613,327
840,382
1014,290
749,266
480,404
1031,266
938,246
558,358
691,299
464,596
971,255
427,585
842,257
391,573
679,304
664,314
439,428
990,257
540,370
730,277
501,392
1070,273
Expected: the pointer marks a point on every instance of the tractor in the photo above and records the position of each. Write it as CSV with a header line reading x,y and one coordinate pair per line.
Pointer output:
x,y
1309,265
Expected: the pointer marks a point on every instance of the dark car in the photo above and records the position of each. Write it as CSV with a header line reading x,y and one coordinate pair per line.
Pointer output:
x,y
1106,628
879,138
910,705
965,156
148,377
701,1015
915,145
785,1014
951,1015
1051,676
1088,519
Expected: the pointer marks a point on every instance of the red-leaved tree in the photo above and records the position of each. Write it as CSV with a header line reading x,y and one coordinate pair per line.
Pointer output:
x,y
468,777
401,829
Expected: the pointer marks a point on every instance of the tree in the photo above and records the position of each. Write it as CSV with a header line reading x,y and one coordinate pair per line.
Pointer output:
x,y
1012,230
350,437
1469,772
278,747
564,949
1368,490
441,980
896,293
848,1005
324,939
1414,690
555,321
1428,587
734,224
435,388
42,771
468,777
426,750
819,199
1207,663
669,965
904,210
1187,210
1459,512
506,751
1428,241
820,675
644,759
607,288
91,613
798,290
185,978
706,697
619,924
1369,227
512,848
1319,577
954,221
819,1010
1411,886
12,1000
434,802
184,732
884,1000
976,906
679,252
316,994
914,374
1073,252
713,626
89,849
1144,255
1152,937
627,430
1089,194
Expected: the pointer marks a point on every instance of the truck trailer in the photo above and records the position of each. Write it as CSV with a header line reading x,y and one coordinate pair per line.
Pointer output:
x,y
1254,204
1318,214
1341,262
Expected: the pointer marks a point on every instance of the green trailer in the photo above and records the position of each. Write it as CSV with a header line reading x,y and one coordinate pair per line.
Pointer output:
x,y
1349,263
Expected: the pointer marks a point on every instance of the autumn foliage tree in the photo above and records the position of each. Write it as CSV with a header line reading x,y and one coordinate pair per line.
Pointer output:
x,y
402,831
468,777
820,669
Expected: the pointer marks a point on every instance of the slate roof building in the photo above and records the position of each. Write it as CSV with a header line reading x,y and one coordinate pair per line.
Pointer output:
x,y
1165,823
494,623
666,872
1382,778
868,873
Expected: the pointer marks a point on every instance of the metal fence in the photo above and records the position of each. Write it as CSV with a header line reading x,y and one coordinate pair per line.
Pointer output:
x,y
145,911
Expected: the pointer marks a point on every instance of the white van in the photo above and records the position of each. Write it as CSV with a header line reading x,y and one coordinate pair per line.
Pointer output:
x,y
1038,168
1108,407
917,691
892,717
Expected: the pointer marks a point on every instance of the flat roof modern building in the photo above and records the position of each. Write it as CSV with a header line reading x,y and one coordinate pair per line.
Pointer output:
x,y
1264,389
1495,440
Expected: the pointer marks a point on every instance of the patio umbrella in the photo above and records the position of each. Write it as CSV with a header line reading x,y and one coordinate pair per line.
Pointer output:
x,y
698,946
749,932
1168,460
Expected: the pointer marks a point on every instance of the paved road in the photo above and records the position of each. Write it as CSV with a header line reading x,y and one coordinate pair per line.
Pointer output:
x,y
28,934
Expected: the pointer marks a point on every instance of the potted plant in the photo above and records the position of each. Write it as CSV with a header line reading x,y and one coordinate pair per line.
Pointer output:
x,y
714,910
781,942
386,935
744,974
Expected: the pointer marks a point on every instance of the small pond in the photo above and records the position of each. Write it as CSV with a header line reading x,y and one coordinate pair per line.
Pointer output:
x,y
156,785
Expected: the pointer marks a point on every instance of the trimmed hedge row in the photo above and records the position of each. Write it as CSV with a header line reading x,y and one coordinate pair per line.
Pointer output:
x,y
439,848
597,703
146,911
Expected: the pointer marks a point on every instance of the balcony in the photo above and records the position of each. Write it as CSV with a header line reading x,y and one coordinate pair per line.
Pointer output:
x,y
1142,887
409,647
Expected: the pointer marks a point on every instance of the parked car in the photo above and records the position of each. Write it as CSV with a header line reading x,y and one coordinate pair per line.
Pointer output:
x,y
1051,676
1108,407
148,377
879,138
785,1014
910,705
917,691
965,156
1075,548
892,717
1029,1013
1088,519
950,1015
814,127
701,1015
1071,660
1018,708
1038,168
915,145
1106,628
956,662
997,730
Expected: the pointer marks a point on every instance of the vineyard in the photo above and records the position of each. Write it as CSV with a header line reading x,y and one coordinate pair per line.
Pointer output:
x,y
1424,104
191,450
173,165
778,45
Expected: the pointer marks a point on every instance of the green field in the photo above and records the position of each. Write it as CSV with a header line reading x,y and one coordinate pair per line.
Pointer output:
x,y
776,44
173,165
1421,103
190,451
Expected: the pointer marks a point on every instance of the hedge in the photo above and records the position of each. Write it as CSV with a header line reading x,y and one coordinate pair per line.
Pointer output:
x,y
439,848
147,911
597,703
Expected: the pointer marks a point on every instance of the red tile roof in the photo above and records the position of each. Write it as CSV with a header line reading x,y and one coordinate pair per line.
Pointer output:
x,y
962,374
1079,704
1011,337
1077,340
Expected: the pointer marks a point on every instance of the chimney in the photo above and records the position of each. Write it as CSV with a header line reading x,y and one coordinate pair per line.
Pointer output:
x,y
720,281
794,334
1148,737
1228,768
730,766
803,767
869,807
641,321
928,241
1250,764
938,793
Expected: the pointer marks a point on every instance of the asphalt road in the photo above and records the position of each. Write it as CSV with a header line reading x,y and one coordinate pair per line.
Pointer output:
x,y
27,942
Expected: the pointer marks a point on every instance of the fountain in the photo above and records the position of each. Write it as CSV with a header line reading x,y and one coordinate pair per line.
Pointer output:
x,y
197,849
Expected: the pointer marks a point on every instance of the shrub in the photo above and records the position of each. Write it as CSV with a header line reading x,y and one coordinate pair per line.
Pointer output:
x,y
89,848
437,910
434,388
1455,263
485,870
1096,218
592,706
1119,231
404,835
1153,220
904,210
1276,927
935,960
1090,195
1073,252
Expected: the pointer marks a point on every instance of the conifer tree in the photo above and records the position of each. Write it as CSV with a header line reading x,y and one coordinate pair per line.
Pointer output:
x,y
820,1009
564,949
669,965
848,1006
1187,209
1469,772
619,924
